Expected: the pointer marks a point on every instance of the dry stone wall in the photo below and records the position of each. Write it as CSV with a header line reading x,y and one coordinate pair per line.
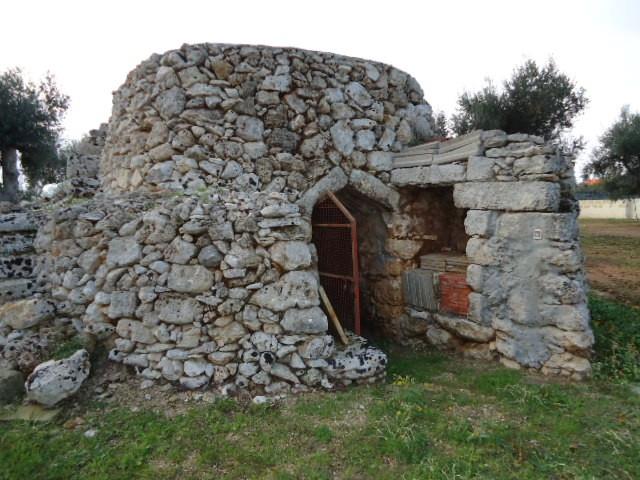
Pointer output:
x,y
528,306
196,263
257,118
207,289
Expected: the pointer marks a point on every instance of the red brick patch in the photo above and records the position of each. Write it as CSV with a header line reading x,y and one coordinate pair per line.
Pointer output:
x,y
454,293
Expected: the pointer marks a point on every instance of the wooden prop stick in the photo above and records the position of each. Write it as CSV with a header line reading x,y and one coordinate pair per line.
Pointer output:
x,y
334,317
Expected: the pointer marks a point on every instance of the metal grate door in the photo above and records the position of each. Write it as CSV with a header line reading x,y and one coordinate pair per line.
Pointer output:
x,y
336,239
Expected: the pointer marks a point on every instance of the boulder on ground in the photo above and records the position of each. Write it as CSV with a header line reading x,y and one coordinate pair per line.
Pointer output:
x,y
56,380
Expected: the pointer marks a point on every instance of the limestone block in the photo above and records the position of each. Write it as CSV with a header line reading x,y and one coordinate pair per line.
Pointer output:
x,y
160,172
359,94
579,367
374,188
293,289
291,255
308,320
560,289
317,347
209,256
480,169
510,196
278,83
538,164
342,137
480,222
140,333
228,334
482,251
248,128
190,278
170,103
180,251
447,174
332,182
569,339
478,310
123,251
161,153
464,328
527,346
178,310
123,304
566,317
56,380
411,176
379,161
552,226
21,314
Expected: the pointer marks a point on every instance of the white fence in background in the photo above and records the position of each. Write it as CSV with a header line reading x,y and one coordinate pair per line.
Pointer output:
x,y
629,208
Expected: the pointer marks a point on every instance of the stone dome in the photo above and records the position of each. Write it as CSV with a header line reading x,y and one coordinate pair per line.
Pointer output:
x,y
257,118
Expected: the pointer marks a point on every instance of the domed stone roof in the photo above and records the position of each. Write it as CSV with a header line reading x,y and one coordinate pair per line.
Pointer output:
x,y
257,118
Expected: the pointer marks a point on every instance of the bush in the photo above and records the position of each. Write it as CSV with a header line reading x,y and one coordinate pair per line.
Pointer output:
x,y
617,331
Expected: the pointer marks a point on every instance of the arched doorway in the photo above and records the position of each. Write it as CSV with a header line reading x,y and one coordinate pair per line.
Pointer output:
x,y
335,236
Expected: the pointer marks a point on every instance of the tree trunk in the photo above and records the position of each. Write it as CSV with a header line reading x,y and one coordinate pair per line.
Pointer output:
x,y
10,174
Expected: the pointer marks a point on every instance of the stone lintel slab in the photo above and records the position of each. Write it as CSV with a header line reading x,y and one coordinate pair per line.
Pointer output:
x,y
509,196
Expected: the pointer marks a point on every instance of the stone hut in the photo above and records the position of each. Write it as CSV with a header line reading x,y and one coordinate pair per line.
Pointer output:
x,y
240,183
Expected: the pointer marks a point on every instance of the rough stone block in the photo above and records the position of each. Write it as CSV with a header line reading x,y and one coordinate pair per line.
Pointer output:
x,y
447,174
480,222
552,226
372,187
411,176
538,164
510,196
480,169
464,328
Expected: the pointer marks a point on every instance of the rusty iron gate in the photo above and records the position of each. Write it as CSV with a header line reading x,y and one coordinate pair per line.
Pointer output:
x,y
335,236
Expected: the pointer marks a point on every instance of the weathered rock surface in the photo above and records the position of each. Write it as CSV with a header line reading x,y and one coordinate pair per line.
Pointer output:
x,y
55,380
27,313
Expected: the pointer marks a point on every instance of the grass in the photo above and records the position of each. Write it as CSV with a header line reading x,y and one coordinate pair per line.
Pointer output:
x,y
617,331
437,417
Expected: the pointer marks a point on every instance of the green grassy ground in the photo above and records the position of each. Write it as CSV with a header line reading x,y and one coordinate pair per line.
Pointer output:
x,y
437,417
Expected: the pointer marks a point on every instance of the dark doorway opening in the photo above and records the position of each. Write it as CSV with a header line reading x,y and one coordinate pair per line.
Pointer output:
x,y
335,237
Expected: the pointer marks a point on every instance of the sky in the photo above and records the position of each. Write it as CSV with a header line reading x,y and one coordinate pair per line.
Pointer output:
x,y
449,46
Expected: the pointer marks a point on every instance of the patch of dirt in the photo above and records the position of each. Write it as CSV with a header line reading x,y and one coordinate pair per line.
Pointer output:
x,y
612,251
477,415
612,228
113,385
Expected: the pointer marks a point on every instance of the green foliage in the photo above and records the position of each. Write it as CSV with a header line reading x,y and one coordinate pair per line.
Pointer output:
x,y
540,101
481,110
441,129
617,331
30,121
617,158
67,348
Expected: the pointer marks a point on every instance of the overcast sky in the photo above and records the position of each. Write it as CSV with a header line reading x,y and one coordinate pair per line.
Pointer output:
x,y
449,46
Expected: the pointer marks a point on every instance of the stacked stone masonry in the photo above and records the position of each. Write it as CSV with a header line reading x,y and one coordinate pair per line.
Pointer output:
x,y
196,262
